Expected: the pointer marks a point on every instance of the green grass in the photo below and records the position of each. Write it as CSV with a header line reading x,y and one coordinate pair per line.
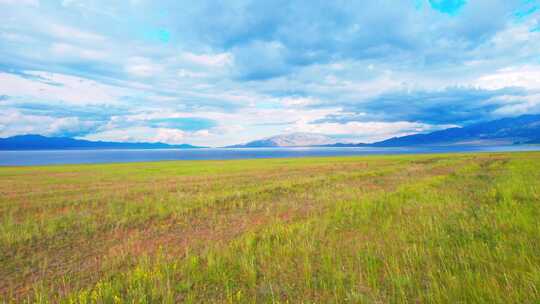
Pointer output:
x,y
459,228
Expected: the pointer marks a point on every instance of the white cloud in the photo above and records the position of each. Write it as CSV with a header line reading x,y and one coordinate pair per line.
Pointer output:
x,y
143,67
70,33
69,51
522,76
518,105
209,60
298,101
47,87
362,131
183,73
141,134
12,122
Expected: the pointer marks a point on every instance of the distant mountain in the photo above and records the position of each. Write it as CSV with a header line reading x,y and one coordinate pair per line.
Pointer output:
x,y
503,131
38,142
516,130
289,140
345,145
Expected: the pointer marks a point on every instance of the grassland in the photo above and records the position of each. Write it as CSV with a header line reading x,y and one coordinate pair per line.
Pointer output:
x,y
394,229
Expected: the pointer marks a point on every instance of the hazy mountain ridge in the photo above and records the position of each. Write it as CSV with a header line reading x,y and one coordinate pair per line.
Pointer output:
x,y
289,140
506,131
38,142
520,129
524,129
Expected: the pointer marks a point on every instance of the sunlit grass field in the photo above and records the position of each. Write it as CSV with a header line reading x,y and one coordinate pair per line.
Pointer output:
x,y
456,228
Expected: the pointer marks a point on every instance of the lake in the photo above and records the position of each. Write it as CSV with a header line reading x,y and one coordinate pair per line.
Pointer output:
x,y
30,158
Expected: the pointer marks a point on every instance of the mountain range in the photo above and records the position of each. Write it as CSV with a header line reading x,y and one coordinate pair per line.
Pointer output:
x,y
38,142
289,140
506,131
523,129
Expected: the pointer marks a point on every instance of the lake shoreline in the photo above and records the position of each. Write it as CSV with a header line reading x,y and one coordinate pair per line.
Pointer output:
x,y
106,156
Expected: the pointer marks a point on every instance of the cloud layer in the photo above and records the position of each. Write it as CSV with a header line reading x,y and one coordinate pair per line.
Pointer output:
x,y
218,73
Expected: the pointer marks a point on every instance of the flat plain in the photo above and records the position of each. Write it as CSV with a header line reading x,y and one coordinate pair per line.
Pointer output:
x,y
440,228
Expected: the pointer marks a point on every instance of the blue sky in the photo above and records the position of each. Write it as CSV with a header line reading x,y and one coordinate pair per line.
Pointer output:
x,y
225,72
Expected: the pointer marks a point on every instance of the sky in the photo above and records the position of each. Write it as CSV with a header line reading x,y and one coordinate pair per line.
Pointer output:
x,y
216,73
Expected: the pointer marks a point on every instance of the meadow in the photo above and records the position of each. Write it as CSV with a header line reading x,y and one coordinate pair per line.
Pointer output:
x,y
441,228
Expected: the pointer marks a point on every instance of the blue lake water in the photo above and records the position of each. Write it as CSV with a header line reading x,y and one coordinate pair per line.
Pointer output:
x,y
27,158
